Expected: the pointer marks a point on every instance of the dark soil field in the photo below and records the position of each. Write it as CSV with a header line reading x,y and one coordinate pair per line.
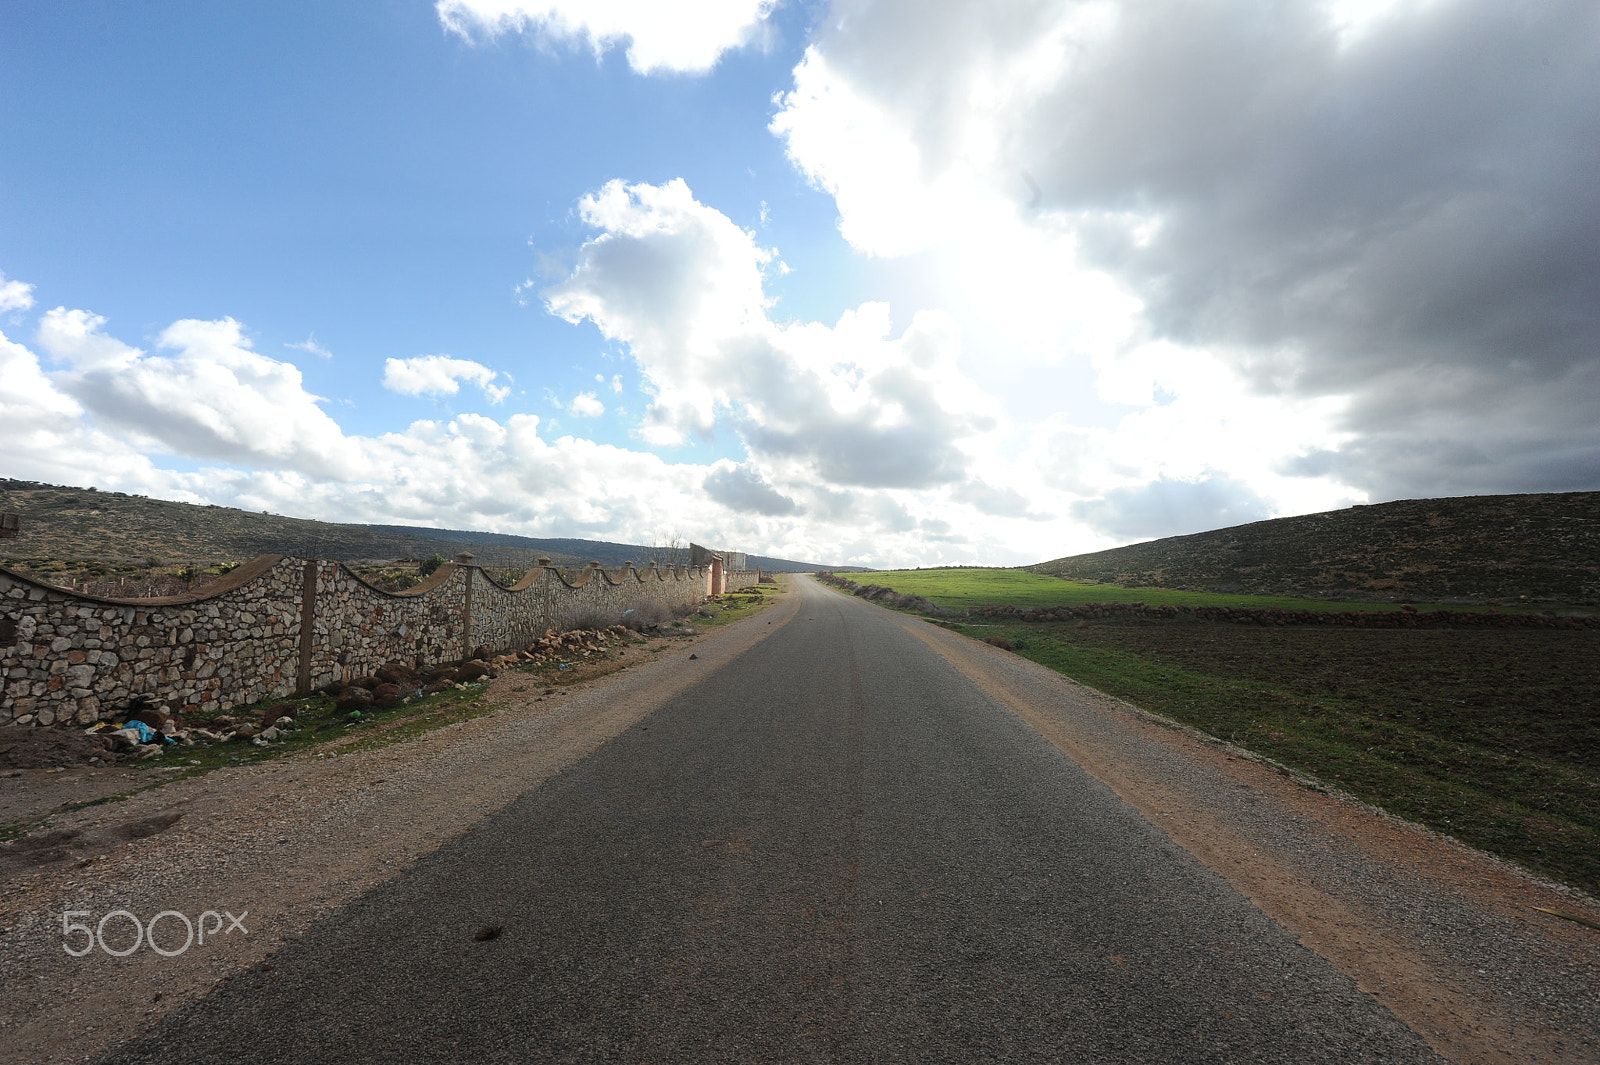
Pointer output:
x,y
1491,736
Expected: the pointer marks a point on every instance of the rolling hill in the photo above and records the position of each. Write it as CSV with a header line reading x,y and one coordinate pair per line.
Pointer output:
x,y
1473,549
86,524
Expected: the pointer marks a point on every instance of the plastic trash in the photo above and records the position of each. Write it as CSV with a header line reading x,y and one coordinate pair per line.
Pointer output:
x,y
146,733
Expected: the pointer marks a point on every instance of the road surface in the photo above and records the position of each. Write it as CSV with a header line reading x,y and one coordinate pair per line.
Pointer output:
x,y
834,847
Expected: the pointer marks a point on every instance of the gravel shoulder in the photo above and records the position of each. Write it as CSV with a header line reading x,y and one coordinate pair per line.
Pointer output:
x,y
283,843
1454,942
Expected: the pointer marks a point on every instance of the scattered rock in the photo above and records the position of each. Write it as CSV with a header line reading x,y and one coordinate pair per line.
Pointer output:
x,y
123,739
353,699
150,716
395,673
273,714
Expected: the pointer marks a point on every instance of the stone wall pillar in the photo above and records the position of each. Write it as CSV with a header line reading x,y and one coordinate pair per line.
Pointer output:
x,y
308,624
464,560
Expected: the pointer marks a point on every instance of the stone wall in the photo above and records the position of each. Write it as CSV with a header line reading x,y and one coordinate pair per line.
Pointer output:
x,y
277,626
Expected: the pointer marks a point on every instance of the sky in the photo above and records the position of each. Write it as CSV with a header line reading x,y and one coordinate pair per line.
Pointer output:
x,y
877,282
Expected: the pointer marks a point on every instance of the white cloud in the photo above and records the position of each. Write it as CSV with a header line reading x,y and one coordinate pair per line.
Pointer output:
x,y
439,375
662,35
1316,207
109,406
14,295
211,397
310,346
682,286
585,405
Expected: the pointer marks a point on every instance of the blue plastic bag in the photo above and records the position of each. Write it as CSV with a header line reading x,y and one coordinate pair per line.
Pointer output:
x,y
146,733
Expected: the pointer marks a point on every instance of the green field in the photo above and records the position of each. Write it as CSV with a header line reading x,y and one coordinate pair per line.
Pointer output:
x,y
964,589
1489,735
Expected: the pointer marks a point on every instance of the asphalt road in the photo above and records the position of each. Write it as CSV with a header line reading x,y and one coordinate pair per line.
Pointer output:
x,y
833,848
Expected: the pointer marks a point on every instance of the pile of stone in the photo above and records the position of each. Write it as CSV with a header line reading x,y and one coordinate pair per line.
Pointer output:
x,y
576,643
399,683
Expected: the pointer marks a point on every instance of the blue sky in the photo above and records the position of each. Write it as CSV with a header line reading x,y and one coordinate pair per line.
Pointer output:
x,y
350,172
872,282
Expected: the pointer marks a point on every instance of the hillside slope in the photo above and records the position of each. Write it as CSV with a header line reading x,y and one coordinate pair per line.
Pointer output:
x,y
1470,549
83,524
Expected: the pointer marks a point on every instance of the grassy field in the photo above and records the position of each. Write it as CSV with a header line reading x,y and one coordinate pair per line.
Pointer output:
x,y
1489,735
967,588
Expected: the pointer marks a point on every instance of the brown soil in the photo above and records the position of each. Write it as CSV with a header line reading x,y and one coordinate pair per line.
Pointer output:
x,y
39,748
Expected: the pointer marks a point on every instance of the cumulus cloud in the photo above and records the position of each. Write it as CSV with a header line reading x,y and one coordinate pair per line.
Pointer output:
x,y
996,501
585,405
48,437
97,410
676,37
1388,204
850,404
14,295
741,488
440,375
1173,508
208,396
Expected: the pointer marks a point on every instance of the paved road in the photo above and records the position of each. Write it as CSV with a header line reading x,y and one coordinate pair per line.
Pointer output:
x,y
834,848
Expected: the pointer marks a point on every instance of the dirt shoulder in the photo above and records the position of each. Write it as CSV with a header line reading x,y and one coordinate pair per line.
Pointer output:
x,y
283,843
1457,944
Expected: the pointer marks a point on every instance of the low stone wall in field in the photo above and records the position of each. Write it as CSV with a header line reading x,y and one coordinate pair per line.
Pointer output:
x,y
279,626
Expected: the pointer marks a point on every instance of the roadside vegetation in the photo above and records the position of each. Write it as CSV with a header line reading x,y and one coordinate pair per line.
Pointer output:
x,y
1491,735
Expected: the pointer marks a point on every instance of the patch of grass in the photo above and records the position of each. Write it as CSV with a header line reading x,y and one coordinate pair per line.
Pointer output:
x,y
735,606
964,588
1491,736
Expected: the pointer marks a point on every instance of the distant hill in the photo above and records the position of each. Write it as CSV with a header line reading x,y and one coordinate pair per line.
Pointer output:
x,y
82,524
1471,549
